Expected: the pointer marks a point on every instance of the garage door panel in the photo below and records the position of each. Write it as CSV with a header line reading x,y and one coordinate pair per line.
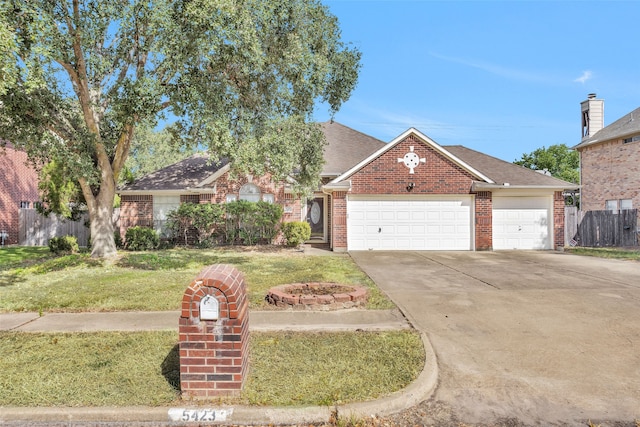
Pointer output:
x,y
410,224
521,222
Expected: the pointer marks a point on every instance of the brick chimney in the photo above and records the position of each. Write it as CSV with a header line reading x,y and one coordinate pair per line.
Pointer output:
x,y
592,116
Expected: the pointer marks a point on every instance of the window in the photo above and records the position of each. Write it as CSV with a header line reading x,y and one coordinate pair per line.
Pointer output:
x,y
250,192
269,198
231,198
24,205
611,205
631,139
626,204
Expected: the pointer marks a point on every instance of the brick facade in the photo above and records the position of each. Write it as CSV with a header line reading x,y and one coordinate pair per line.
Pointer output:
x,y
214,354
484,221
609,171
19,183
135,210
558,220
385,175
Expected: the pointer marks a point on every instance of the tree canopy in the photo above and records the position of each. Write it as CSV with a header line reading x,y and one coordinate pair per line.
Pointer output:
x,y
240,77
559,160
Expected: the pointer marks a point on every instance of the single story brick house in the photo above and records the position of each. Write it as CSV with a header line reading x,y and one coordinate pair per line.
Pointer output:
x,y
18,189
408,194
609,159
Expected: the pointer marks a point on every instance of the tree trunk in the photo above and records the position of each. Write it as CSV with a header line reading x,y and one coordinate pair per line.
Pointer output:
x,y
103,244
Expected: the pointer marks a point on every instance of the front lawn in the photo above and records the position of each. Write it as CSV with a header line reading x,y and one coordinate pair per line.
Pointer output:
x,y
150,281
142,368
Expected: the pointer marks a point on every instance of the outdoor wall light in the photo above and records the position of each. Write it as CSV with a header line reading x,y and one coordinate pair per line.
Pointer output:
x,y
410,186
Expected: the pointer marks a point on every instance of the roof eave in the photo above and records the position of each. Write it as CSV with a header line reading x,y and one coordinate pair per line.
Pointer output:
x,y
401,138
484,186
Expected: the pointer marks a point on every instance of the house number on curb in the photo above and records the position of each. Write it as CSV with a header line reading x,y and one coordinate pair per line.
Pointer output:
x,y
195,415
411,160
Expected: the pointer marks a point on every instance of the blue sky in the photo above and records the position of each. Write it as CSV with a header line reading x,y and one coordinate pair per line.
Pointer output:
x,y
500,77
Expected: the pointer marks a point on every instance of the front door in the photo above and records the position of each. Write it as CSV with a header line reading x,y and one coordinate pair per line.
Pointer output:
x,y
316,218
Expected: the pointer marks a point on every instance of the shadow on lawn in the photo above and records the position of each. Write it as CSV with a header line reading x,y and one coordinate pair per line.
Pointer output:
x,y
171,367
175,260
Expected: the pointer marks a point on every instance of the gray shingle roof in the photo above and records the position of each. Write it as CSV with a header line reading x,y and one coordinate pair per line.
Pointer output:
x,y
627,125
502,172
178,176
345,148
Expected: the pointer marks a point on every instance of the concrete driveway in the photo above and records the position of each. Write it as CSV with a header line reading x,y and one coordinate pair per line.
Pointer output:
x,y
543,337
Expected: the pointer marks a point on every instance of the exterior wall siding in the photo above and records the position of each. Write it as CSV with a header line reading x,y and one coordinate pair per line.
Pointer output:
x,y
558,220
609,171
386,175
19,183
137,210
484,221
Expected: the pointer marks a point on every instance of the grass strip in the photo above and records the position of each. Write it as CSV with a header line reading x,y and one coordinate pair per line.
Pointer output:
x,y
142,368
156,280
613,253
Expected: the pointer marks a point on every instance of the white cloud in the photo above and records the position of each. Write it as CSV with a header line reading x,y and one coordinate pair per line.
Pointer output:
x,y
496,69
586,75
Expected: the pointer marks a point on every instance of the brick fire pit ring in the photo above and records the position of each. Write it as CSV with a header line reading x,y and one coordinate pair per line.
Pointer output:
x,y
317,296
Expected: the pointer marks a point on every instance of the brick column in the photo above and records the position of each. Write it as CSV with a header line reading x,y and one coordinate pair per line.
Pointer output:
x,y
339,224
484,221
214,353
558,220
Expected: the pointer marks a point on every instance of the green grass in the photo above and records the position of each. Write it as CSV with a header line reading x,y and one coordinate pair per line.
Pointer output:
x,y
614,253
16,255
123,369
157,280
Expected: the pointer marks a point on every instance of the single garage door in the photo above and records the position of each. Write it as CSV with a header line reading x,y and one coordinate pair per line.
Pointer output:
x,y
408,223
521,222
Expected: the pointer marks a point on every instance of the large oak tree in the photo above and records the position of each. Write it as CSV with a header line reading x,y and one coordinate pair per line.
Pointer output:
x,y
240,77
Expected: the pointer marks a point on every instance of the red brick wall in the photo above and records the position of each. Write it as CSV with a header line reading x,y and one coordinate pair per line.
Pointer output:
x,y
339,221
214,354
558,220
609,171
484,221
385,175
135,210
19,183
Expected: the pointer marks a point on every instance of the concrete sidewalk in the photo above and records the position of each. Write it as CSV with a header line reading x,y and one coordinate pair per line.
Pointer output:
x,y
343,320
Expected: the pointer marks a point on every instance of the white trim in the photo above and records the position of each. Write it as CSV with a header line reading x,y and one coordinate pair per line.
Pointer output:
x,y
211,178
402,137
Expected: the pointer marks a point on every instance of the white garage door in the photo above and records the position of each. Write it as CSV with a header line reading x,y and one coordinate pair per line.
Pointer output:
x,y
521,223
408,223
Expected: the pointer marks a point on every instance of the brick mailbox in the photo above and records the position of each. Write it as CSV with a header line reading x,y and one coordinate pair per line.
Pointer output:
x,y
214,334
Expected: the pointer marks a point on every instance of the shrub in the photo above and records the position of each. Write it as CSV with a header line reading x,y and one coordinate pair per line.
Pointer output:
x,y
202,222
141,239
63,244
117,238
296,232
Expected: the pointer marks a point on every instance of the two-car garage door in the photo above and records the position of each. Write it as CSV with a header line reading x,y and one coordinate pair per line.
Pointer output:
x,y
409,223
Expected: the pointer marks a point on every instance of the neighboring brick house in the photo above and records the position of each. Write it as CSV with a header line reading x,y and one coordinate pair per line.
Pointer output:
x,y
408,194
18,189
609,159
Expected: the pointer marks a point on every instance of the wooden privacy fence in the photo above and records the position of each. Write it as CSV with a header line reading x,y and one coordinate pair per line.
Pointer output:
x,y
37,230
601,228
